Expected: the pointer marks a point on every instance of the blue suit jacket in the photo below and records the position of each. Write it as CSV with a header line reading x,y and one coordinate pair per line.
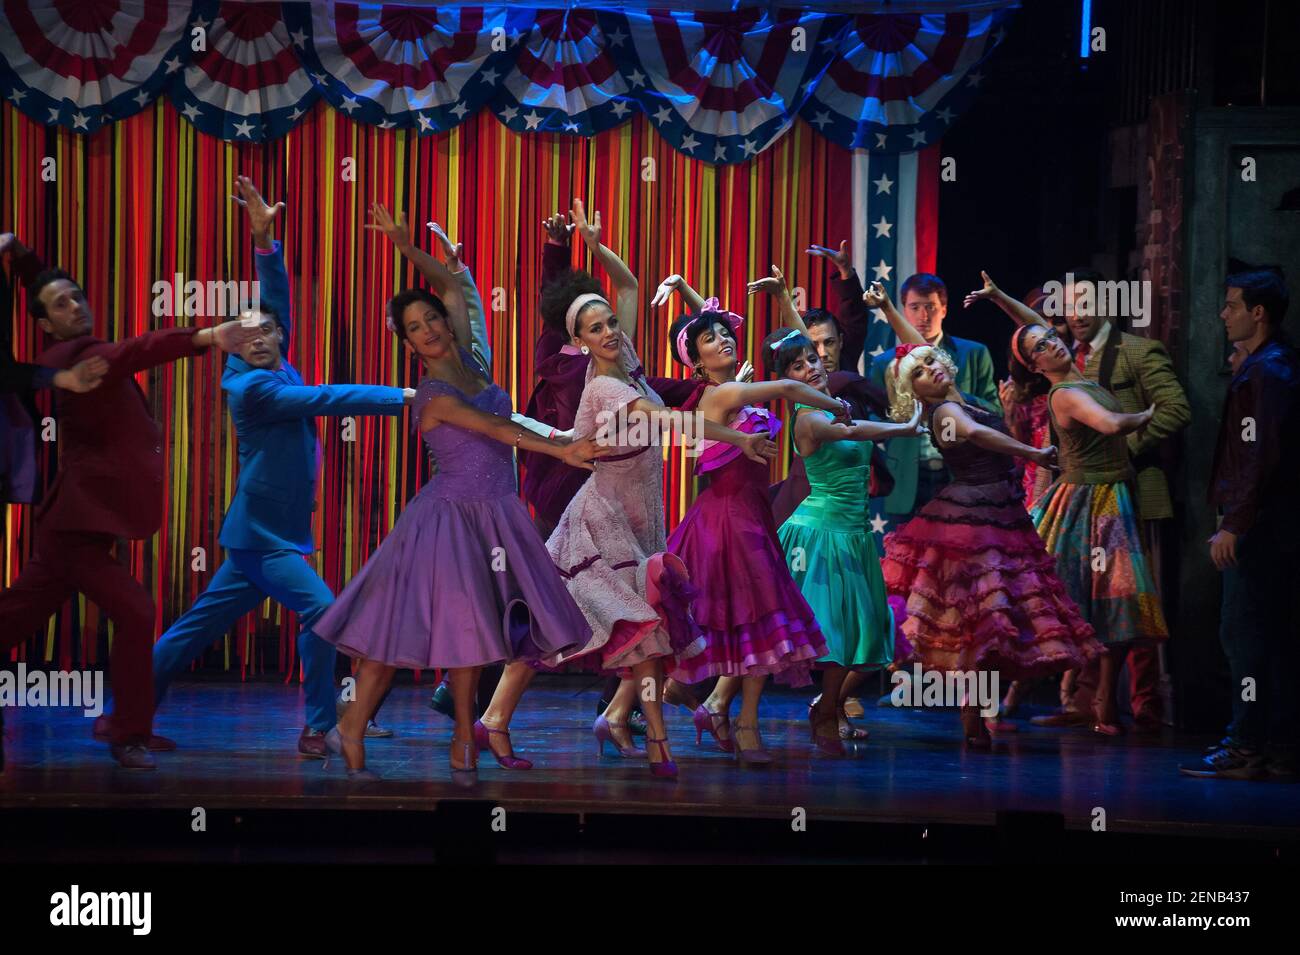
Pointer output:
x,y
279,456
974,379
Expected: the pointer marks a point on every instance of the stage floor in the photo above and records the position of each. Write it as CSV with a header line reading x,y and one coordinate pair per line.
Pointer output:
x,y
237,751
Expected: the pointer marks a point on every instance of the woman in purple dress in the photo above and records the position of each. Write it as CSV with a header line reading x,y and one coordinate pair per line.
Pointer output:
x,y
756,621
463,580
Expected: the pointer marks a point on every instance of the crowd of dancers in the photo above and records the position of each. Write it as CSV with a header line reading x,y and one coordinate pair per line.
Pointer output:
x,y
1025,515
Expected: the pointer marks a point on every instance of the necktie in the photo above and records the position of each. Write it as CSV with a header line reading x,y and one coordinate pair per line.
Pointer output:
x,y
1081,356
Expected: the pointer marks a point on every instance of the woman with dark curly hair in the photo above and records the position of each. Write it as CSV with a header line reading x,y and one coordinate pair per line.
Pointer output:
x,y
561,367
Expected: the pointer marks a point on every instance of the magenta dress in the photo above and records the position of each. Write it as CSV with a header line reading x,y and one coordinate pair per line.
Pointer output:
x,y
754,617
463,579
609,547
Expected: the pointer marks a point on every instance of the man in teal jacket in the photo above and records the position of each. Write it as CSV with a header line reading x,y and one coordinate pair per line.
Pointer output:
x,y
267,531
915,463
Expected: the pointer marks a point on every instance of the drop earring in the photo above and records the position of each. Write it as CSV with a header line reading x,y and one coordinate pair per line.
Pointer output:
x,y
585,350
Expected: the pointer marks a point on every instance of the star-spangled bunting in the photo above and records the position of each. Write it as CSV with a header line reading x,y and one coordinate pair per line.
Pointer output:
x,y
718,86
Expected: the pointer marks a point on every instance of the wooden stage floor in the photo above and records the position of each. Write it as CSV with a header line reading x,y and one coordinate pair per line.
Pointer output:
x,y
237,752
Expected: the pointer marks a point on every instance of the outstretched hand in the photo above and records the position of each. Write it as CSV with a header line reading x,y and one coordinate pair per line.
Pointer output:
x,y
1046,457
557,228
665,289
840,259
746,372
453,251
773,284
261,217
759,447
392,226
588,230
83,376
988,291
231,336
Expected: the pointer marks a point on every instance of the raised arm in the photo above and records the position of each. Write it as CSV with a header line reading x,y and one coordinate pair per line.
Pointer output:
x,y
454,253
1073,405
556,256
877,297
775,286
1020,313
626,288
448,409
850,311
675,283
434,272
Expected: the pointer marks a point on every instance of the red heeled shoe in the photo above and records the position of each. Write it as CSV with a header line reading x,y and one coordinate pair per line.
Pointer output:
x,y
830,745
703,718
483,740
665,769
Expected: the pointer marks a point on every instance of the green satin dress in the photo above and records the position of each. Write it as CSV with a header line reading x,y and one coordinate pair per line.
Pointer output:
x,y
832,555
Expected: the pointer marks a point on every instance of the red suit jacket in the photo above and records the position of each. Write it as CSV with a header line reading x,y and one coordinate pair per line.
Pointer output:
x,y
110,477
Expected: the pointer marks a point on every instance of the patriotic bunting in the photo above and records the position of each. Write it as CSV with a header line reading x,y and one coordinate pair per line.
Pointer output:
x,y
718,86
83,65
426,68
897,81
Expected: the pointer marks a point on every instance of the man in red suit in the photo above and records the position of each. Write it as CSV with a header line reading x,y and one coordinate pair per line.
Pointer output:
x,y
109,485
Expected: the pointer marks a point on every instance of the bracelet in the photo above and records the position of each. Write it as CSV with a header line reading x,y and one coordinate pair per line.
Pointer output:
x,y
519,436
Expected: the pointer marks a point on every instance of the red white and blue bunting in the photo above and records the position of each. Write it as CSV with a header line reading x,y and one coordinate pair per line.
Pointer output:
x,y
718,85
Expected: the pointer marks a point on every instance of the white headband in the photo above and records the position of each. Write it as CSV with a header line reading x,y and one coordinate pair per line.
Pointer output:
x,y
579,303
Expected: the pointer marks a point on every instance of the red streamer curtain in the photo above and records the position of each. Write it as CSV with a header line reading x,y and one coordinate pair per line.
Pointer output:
x,y
146,198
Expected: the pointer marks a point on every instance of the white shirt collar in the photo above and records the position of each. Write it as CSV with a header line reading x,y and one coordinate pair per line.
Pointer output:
x,y
1099,340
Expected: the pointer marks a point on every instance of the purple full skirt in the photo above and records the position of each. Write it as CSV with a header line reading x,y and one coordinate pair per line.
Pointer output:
x,y
457,583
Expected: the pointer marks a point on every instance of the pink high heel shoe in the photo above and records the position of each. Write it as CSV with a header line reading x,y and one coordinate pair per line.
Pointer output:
x,y
482,739
703,718
601,730
666,769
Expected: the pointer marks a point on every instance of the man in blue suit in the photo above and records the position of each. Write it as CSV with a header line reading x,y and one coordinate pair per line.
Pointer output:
x,y
915,463
267,531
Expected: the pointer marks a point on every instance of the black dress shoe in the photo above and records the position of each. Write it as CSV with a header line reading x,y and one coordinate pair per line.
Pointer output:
x,y
441,701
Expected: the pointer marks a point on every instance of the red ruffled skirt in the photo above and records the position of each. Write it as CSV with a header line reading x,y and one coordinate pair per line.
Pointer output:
x,y
980,588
